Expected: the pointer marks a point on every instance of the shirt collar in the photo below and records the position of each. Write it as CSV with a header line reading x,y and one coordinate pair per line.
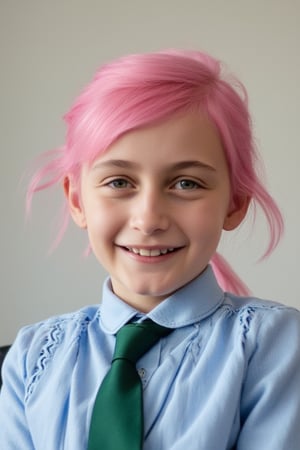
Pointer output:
x,y
193,302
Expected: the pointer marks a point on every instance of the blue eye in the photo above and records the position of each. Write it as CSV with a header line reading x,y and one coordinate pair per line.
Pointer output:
x,y
186,185
119,183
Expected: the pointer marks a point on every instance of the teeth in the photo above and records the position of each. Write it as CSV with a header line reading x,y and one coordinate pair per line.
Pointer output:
x,y
154,252
144,252
147,252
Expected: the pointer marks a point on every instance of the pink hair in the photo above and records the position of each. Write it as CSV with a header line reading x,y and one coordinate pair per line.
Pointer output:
x,y
139,90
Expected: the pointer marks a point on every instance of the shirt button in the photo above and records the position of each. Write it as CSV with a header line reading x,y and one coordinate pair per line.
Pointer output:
x,y
142,372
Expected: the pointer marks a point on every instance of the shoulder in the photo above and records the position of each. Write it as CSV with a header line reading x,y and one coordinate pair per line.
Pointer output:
x,y
262,320
36,345
260,308
55,329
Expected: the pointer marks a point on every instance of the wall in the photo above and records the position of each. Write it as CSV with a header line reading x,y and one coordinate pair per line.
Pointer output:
x,y
50,50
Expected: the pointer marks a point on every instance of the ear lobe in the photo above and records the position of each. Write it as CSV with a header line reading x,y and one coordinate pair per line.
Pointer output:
x,y
236,216
73,198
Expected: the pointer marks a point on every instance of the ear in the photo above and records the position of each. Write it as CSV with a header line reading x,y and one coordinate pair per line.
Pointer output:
x,y
236,215
72,194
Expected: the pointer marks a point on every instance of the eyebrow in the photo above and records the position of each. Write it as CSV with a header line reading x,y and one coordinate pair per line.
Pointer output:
x,y
193,163
124,164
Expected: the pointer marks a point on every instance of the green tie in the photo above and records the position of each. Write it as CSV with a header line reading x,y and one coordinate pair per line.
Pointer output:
x,y
117,419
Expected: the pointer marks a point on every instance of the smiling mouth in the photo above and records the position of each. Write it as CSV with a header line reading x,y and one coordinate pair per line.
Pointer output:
x,y
150,252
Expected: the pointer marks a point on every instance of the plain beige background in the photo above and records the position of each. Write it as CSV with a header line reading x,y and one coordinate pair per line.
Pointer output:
x,y
50,50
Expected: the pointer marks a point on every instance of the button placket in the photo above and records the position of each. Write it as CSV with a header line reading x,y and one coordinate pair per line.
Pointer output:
x,y
148,364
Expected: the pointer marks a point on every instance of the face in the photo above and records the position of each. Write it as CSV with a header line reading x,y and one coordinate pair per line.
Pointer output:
x,y
154,206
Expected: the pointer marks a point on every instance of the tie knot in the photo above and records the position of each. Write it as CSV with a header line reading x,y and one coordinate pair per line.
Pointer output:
x,y
135,339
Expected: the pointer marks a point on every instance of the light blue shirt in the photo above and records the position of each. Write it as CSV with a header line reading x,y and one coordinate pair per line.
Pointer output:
x,y
227,377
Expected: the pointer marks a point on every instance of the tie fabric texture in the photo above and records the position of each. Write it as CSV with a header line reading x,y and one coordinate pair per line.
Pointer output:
x,y
117,419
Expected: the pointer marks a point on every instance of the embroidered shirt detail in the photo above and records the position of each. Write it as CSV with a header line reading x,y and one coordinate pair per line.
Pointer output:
x,y
246,317
51,342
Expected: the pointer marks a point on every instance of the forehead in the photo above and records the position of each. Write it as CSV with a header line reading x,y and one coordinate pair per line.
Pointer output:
x,y
188,136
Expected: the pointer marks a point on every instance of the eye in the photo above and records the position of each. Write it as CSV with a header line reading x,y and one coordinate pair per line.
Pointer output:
x,y
186,185
119,183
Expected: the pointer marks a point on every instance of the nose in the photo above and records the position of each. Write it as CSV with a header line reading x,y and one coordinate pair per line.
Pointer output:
x,y
149,212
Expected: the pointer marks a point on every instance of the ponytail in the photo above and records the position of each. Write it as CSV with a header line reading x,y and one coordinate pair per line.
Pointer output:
x,y
227,278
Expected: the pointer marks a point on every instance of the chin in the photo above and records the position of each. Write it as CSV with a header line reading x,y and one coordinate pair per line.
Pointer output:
x,y
158,294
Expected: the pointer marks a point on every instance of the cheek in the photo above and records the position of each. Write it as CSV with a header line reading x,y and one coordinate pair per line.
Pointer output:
x,y
103,223
207,218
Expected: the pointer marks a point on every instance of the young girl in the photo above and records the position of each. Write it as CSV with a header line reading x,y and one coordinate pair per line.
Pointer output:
x,y
159,159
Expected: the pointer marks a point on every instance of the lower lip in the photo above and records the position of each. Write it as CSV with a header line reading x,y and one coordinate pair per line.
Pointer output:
x,y
150,259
